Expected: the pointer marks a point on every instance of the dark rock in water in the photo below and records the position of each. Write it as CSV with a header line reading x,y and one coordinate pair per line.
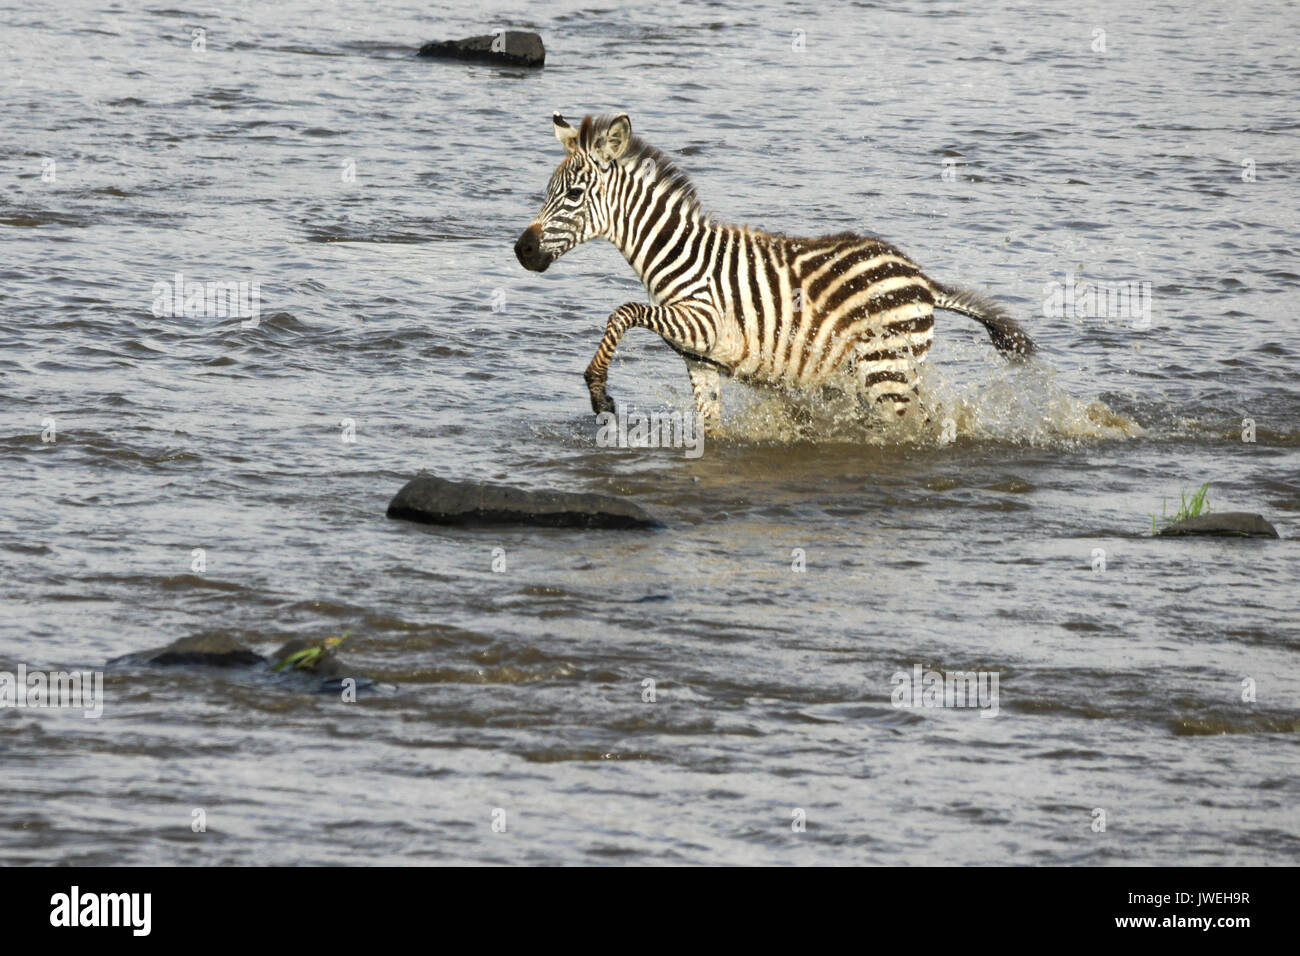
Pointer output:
x,y
325,674
434,500
214,650
1228,524
514,47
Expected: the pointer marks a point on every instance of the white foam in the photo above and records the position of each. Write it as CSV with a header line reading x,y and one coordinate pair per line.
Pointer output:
x,y
1020,403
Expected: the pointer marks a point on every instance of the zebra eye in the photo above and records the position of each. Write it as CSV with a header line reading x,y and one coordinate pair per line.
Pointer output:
x,y
574,193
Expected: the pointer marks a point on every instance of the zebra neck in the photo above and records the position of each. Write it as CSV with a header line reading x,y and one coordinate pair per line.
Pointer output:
x,y
660,233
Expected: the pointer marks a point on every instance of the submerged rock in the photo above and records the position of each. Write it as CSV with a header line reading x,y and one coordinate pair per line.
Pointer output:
x,y
214,650
433,500
515,47
1228,524
323,672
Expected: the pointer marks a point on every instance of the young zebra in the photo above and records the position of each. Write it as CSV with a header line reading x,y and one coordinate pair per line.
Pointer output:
x,y
759,307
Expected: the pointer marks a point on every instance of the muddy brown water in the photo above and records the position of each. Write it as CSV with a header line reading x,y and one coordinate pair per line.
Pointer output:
x,y
375,199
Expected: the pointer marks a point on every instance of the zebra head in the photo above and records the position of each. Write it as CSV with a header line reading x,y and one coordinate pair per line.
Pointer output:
x,y
576,208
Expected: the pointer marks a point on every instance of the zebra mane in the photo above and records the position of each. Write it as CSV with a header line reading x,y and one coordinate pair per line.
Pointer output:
x,y
593,129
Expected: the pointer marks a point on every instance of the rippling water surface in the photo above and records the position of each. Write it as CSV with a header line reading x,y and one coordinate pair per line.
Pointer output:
x,y
392,299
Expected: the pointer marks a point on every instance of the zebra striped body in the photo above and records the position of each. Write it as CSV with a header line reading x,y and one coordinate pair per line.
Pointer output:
x,y
763,308
792,312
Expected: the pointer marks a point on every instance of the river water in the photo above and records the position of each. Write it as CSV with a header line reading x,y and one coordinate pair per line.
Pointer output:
x,y
170,476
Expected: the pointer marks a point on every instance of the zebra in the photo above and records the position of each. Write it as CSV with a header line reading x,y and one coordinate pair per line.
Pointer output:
x,y
758,307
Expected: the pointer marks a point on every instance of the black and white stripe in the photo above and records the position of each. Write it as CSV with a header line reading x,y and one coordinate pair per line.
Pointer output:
x,y
758,307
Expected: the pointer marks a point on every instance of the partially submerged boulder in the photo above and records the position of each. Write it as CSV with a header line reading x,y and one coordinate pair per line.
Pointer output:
x,y
433,500
213,650
1241,524
513,47
319,663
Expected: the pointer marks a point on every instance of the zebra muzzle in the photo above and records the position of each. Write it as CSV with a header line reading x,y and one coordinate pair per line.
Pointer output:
x,y
528,250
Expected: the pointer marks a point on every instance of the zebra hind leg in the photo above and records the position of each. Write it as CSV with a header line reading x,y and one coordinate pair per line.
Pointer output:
x,y
706,384
888,385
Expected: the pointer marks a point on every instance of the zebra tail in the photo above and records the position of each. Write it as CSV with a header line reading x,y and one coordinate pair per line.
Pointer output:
x,y
1007,335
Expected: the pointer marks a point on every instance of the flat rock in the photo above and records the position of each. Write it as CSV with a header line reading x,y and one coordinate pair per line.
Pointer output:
x,y
214,650
432,500
1228,524
515,47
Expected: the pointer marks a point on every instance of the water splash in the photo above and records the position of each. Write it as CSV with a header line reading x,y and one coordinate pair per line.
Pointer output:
x,y
1020,403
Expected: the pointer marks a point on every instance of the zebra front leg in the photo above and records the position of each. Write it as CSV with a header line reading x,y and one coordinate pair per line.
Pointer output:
x,y
622,319
595,378
684,326
706,383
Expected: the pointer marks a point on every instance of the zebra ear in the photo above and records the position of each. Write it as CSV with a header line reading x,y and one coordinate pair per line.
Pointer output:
x,y
566,134
614,143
